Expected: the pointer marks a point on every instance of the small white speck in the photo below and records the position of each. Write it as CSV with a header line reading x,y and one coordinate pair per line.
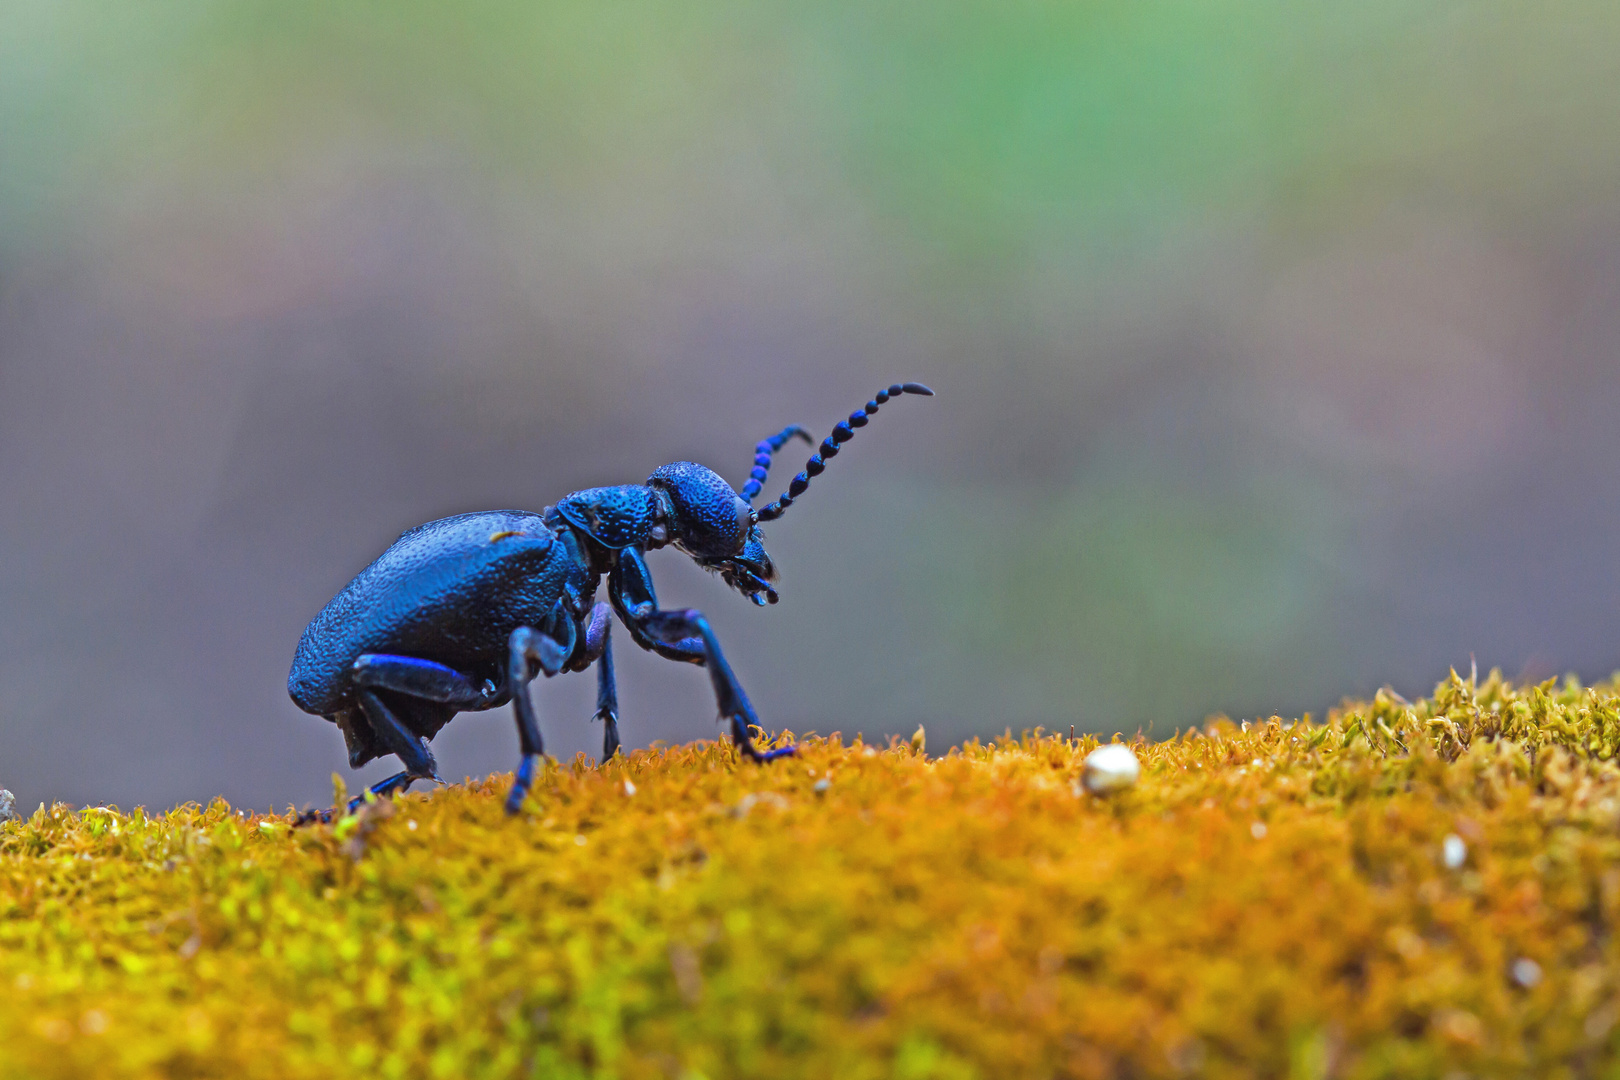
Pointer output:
x,y
411,825
1110,768
1526,972
1258,830
1255,763
822,785
1453,852
629,788
579,838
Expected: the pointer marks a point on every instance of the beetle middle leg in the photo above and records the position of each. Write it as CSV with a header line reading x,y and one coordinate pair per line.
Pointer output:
x,y
530,653
599,648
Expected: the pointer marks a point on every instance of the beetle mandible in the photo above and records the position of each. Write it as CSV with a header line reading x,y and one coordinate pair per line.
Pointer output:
x,y
462,613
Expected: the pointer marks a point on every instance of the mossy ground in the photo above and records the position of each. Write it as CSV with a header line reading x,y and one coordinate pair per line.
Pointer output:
x,y
1270,900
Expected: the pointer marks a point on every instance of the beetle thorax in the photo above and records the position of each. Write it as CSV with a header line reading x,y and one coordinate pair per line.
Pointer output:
x,y
614,517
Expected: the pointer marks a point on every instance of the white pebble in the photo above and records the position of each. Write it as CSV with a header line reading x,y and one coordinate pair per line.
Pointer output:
x,y
1258,830
629,788
1526,972
1453,851
822,785
1110,768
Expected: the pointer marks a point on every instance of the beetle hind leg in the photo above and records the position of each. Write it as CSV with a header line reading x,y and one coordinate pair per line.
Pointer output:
x,y
411,749
384,789
424,696
422,679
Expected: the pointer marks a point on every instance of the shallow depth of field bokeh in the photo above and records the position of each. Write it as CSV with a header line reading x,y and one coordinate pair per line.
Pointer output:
x,y
1275,348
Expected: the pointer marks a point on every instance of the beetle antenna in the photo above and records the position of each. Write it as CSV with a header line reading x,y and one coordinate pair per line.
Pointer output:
x,y
842,433
762,457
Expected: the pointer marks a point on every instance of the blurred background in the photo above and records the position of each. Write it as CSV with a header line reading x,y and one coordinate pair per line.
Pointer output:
x,y
1275,347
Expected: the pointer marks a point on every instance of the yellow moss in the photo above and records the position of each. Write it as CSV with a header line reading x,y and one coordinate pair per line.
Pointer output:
x,y
1271,899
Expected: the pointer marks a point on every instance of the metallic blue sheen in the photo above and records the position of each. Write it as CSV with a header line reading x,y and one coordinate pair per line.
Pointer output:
x,y
461,614
615,517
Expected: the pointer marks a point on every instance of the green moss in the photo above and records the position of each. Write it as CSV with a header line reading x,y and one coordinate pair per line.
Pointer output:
x,y
1269,900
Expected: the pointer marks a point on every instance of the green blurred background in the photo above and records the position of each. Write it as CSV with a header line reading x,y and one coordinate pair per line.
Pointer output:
x,y
1275,346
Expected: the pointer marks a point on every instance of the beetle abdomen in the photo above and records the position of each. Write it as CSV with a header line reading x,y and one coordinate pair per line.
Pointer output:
x,y
450,591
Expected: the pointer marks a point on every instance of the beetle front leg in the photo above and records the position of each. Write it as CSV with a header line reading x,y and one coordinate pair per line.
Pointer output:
x,y
529,653
630,588
674,626
684,635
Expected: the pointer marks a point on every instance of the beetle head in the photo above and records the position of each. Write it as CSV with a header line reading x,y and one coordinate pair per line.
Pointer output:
x,y
716,527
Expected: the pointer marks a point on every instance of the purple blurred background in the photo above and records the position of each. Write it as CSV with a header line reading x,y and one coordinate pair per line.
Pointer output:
x,y
1275,351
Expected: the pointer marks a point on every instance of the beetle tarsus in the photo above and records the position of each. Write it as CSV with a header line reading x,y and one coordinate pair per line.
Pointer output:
x,y
394,785
742,735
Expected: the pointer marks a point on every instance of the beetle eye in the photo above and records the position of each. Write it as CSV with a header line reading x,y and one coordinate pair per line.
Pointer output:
x,y
745,519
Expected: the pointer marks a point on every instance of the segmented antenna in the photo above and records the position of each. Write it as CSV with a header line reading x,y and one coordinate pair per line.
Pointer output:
x,y
841,434
762,457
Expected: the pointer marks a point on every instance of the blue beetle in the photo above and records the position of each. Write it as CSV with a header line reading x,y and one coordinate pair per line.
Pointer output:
x,y
462,613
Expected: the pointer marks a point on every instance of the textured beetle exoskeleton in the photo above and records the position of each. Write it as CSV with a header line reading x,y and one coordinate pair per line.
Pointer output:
x,y
463,613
